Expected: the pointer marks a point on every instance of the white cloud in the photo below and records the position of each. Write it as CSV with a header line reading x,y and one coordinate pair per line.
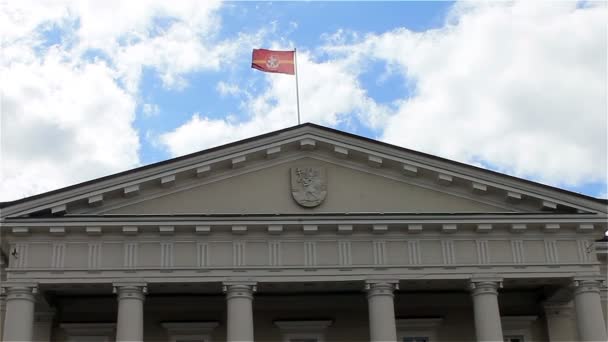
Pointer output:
x,y
63,109
329,93
55,119
521,86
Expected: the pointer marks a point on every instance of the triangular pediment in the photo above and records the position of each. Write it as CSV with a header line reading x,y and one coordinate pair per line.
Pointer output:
x,y
269,190
253,176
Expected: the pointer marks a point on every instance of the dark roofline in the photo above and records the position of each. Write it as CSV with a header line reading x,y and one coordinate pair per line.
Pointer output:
x,y
278,132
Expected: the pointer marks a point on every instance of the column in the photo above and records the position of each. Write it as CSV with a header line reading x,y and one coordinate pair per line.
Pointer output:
x,y
130,321
239,302
589,315
2,312
560,321
485,307
19,318
380,300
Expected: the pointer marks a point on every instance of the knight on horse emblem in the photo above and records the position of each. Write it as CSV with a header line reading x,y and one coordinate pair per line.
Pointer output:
x,y
308,185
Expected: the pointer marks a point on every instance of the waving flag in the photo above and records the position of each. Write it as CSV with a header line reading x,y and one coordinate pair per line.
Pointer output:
x,y
281,62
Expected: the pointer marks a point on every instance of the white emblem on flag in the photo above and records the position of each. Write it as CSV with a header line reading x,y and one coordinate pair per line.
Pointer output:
x,y
272,62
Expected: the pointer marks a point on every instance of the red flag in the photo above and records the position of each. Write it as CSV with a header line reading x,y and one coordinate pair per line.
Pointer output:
x,y
273,61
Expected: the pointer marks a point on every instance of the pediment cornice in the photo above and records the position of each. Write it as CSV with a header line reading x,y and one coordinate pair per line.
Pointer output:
x,y
420,169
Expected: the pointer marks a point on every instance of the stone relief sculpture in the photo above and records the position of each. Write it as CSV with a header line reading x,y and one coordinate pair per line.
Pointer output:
x,y
308,185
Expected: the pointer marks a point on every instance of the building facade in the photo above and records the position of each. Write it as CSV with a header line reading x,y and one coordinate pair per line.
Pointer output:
x,y
307,234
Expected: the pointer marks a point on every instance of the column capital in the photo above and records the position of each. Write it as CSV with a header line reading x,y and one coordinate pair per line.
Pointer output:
x,y
130,291
587,285
239,289
478,287
26,292
381,287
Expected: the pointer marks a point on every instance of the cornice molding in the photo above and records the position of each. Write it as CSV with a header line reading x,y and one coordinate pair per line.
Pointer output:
x,y
360,149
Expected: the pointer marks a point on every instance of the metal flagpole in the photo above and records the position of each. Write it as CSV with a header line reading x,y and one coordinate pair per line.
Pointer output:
x,y
295,57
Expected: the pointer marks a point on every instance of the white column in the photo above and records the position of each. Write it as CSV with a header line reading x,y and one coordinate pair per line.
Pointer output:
x,y
487,316
380,300
130,322
2,312
589,315
239,302
560,321
19,319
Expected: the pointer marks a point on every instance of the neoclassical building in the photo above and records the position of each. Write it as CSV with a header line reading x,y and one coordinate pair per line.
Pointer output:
x,y
306,234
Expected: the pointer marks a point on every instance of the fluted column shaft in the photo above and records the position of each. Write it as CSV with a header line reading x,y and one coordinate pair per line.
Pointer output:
x,y
380,299
19,320
589,315
130,321
239,302
487,316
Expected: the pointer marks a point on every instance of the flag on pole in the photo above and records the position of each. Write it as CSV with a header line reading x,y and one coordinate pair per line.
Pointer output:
x,y
281,62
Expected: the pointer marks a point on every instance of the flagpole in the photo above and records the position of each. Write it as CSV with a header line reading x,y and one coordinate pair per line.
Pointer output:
x,y
295,56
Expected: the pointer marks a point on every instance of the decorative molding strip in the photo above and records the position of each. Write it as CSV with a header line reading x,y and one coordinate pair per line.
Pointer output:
x,y
447,251
131,251
551,254
413,247
95,259
58,255
310,253
345,257
238,253
517,248
379,250
166,254
483,256
274,253
202,254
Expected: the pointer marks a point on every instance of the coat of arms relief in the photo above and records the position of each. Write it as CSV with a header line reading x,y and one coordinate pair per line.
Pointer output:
x,y
308,185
